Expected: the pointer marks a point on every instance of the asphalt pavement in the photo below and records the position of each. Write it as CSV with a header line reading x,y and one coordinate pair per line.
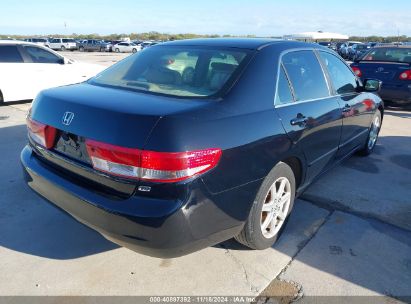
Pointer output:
x,y
348,236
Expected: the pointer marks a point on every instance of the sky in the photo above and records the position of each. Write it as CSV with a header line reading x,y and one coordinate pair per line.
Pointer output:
x,y
234,17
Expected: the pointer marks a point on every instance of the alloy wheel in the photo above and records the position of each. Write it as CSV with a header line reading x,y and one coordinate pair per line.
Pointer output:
x,y
375,129
275,208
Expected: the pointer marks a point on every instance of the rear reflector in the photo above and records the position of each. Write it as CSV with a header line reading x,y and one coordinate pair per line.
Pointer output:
x,y
406,75
357,71
150,165
42,134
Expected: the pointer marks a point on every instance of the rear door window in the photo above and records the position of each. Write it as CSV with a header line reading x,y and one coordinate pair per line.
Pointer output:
x,y
306,75
342,78
39,55
10,53
284,95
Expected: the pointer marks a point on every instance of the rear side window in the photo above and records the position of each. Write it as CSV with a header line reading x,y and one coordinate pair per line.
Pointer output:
x,y
176,71
10,53
284,95
306,75
342,78
39,55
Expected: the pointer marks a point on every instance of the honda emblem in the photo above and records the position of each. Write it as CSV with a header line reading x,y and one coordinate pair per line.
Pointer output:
x,y
68,118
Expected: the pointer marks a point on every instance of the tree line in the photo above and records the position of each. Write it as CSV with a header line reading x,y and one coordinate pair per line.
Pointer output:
x,y
166,36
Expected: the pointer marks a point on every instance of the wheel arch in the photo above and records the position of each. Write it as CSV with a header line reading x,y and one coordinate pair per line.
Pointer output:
x,y
296,165
381,108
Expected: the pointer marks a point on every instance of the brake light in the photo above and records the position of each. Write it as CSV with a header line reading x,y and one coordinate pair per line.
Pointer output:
x,y
356,71
406,75
150,165
42,134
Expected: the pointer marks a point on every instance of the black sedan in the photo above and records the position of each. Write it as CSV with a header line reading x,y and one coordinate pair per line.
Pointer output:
x,y
167,164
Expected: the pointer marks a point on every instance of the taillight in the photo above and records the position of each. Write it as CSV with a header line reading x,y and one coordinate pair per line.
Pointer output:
x,y
406,75
42,134
172,167
113,159
150,165
356,71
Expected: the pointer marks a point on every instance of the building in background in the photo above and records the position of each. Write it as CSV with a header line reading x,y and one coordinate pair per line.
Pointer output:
x,y
316,36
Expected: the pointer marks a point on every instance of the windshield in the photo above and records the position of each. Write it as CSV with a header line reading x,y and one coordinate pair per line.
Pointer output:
x,y
389,54
175,71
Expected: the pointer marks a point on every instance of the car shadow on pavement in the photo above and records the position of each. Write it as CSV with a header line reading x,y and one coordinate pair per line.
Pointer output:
x,y
28,223
11,103
400,114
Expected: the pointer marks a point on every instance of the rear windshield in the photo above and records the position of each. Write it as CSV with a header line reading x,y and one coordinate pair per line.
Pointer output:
x,y
389,54
176,71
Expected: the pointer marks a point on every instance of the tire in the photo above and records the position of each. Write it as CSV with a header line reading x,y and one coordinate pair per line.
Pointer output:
x,y
117,50
81,49
1,99
101,49
62,48
134,51
373,133
252,234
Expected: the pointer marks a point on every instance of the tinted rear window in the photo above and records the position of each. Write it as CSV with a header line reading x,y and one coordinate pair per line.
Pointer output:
x,y
176,71
10,53
389,54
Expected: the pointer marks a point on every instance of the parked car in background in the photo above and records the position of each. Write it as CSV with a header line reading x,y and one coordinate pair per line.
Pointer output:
x,y
62,44
126,47
147,44
325,43
392,66
371,45
330,44
345,49
338,46
167,166
357,51
39,41
91,45
27,68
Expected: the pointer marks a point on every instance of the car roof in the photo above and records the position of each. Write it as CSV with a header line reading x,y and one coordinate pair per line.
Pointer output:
x,y
15,42
243,43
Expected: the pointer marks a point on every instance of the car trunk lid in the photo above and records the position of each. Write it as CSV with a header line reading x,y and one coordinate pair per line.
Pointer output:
x,y
112,116
382,70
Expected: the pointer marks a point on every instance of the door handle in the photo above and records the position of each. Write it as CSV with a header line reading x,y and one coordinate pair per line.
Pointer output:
x,y
347,108
300,120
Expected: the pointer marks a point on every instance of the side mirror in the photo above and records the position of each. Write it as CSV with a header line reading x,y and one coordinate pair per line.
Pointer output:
x,y
372,85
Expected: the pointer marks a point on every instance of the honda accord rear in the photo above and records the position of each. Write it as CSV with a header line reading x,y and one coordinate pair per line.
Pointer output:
x,y
190,143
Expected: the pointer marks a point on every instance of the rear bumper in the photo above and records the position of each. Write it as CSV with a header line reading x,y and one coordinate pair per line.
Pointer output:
x,y
397,93
159,228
